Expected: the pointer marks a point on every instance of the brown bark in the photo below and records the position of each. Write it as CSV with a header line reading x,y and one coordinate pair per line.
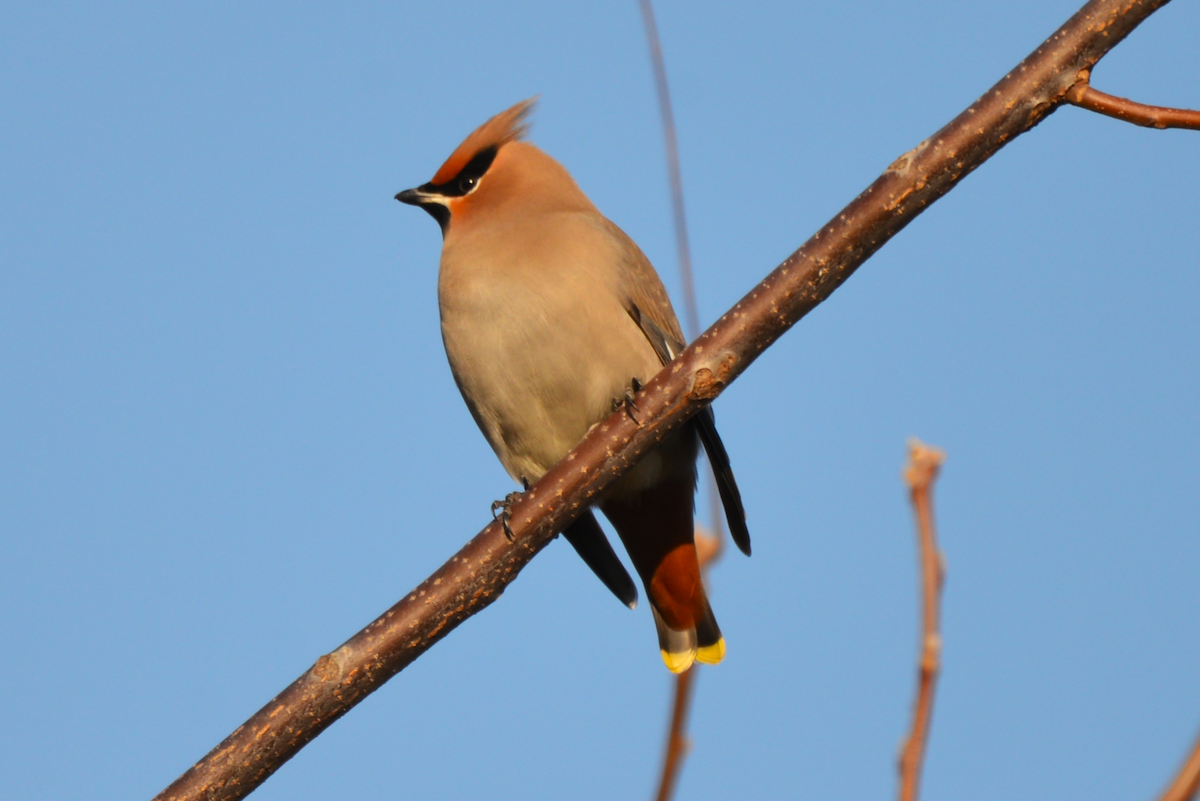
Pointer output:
x,y
922,471
1186,783
1161,117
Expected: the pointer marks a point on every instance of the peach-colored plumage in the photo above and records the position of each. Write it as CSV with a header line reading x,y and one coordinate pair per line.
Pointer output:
x,y
550,315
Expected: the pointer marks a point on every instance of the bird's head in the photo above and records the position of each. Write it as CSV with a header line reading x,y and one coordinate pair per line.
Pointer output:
x,y
494,170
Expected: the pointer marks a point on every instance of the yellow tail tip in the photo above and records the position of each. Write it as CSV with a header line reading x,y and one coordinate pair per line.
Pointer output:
x,y
712,654
709,655
677,663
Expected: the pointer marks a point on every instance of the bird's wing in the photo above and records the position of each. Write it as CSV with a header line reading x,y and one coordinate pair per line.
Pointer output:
x,y
731,498
643,290
588,540
650,308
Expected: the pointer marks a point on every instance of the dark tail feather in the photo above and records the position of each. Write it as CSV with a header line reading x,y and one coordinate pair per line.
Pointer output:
x,y
727,486
588,540
710,644
708,633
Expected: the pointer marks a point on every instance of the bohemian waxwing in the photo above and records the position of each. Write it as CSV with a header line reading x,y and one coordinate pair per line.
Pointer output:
x,y
550,313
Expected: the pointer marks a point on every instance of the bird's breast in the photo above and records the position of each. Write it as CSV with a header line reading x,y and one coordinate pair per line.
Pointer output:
x,y
540,344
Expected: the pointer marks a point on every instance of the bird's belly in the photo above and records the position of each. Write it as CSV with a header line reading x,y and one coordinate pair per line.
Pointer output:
x,y
536,381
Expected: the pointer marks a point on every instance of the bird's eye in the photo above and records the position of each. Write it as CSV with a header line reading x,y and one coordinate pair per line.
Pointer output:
x,y
467,183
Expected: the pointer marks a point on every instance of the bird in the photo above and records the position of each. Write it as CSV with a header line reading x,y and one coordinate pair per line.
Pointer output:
x,y
552,317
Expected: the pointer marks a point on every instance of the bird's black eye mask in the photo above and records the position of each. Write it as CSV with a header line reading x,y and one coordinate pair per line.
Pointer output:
x,y
461,185
468,177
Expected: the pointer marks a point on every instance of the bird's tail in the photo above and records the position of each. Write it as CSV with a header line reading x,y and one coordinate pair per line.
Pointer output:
x,y
660,541
681,645
651,509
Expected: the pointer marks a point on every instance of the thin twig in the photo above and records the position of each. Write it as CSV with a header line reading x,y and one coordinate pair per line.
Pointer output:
x,y
920,474
476,576
674,174
1187,781
676,746
1161,117
683,247
708,549
677,742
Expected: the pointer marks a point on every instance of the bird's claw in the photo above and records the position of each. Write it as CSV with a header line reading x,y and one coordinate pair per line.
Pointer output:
x,y
502,509
629,402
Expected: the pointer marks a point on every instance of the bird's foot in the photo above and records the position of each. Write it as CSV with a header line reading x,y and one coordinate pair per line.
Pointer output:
x,y
628,402
502,509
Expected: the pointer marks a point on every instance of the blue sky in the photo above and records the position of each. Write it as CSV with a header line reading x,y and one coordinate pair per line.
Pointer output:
x,y
229,438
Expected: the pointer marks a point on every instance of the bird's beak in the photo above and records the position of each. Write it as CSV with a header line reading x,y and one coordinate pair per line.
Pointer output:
x,y
432,202
413,197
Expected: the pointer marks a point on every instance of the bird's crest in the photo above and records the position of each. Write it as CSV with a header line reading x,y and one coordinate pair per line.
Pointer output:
x,y
505,127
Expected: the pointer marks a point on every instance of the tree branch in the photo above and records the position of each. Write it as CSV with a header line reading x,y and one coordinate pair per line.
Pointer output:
x,y
1084,96
674,173
1187,781
708,550
477,575
708,547
921,472
677,742
687,282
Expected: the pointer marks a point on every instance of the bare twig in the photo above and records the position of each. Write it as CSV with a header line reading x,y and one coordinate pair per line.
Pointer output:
x,y
477,575
920,474
1085,96
674,174
1187,781
682,247
677,741
708,546
708,549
